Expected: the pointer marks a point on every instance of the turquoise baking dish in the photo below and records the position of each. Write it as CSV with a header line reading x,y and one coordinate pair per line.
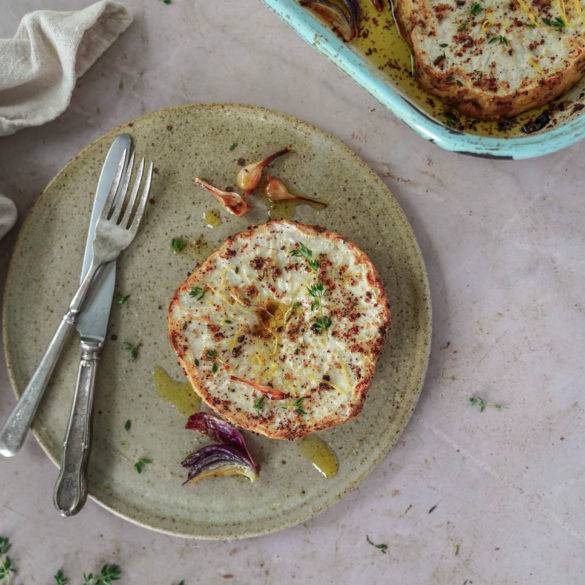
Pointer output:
x,y
566,127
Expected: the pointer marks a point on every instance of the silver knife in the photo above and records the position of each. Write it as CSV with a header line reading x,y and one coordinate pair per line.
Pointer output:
x,y
92,324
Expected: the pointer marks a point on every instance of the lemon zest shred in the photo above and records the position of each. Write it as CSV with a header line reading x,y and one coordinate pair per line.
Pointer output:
x,y
234,339
270,370
258,364
579,11
533,62
529,13
289,311
276,346
560,5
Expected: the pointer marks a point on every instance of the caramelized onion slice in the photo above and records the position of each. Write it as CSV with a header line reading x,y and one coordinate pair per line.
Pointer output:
x,y
378,5
232,202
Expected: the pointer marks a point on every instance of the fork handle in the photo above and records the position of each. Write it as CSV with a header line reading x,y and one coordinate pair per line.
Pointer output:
x,y
16,427
71,487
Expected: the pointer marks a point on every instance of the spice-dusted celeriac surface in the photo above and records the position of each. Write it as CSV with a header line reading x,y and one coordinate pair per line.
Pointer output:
x,y
280,329
495,59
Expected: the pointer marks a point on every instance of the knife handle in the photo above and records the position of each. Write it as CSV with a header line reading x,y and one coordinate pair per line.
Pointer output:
x,y
71,487
18,423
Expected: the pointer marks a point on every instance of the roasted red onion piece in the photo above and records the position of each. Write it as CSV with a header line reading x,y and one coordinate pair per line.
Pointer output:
x,y
249,176
218,460
231,201
230,457
214,452
378,5
219,430
276,191
334,15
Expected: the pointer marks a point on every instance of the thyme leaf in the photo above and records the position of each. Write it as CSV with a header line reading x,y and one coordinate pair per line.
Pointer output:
x,y
382,547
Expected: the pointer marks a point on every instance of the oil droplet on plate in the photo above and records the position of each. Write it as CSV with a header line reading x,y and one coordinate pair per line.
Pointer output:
x,y
286,209
201,249
212,218
282,209
180,394
319,453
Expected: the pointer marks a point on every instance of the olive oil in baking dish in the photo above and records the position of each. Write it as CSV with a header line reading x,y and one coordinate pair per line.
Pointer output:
x,y
380,43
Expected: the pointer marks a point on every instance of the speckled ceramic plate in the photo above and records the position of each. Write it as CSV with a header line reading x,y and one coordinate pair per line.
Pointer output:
x,y
183,142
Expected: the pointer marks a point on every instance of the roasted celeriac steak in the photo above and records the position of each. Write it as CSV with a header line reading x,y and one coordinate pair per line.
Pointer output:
x,y
495,59
280,329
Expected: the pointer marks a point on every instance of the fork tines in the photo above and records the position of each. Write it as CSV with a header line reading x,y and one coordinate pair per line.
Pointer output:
x,y
119,206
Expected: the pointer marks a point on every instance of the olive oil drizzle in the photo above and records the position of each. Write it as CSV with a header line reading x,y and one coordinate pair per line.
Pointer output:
x,y
320,454
286,209
212,218
180,394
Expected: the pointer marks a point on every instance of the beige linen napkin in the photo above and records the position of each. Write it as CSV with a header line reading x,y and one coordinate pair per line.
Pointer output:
x,y
7,215
41,63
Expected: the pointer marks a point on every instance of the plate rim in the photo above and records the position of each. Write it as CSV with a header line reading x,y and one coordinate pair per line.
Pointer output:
x,y
427,317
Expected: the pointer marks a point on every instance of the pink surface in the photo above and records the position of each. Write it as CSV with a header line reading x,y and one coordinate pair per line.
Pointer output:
x,y
504,245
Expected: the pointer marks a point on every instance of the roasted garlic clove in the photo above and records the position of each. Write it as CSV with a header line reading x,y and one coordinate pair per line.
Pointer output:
x,y
249,176
232,202
276,190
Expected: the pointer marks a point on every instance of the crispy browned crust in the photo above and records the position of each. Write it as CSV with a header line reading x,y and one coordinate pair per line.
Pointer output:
x,y
469,99
262,424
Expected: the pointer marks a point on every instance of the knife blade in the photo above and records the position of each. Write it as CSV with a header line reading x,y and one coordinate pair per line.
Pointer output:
x,y
92,323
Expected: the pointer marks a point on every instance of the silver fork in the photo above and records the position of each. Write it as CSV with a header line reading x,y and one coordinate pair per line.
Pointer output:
x,y
114,232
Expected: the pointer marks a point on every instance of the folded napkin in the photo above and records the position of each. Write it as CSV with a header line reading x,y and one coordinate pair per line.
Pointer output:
x,y
42,62
7,215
